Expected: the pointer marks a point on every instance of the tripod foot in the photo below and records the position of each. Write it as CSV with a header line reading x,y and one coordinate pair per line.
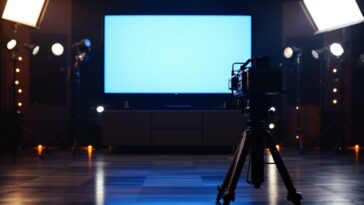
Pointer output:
x,y
219,193
228,196
295,198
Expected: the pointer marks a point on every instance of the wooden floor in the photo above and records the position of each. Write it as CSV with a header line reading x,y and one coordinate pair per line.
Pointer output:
x,y
104,179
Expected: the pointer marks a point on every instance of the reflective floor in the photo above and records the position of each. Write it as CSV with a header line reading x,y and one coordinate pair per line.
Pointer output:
x,y
104,179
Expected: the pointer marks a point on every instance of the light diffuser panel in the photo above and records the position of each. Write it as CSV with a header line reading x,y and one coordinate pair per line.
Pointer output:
x,y
27,12
329,15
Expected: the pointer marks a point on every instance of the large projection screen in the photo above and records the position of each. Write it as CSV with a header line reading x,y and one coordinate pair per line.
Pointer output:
x,y
173,54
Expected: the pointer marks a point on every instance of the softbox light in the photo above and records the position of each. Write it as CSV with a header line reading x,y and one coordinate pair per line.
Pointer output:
x,y
328,15
26,12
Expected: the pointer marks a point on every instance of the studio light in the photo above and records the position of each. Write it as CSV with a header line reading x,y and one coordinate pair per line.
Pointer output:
x,y
11,44
32,48
327,15
271,126
57,49
336,49
100,109
272,109
291,51
27,12
84,45
83,48
318,53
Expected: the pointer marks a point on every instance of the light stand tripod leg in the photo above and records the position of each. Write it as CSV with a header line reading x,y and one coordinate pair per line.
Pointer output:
x,y
293,195
232,178
221,188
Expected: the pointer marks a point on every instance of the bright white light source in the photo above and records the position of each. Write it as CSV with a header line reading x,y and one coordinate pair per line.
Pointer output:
x,y
27,12
57,49
35,50
100,109
336,49
11,44
288,52
333,14
271,126
272,109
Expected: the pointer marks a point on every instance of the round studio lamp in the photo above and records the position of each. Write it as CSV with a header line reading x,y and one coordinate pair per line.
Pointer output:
x,y
336,49
291,51
32,48
318,53
57,49
100,109
11,44
83,45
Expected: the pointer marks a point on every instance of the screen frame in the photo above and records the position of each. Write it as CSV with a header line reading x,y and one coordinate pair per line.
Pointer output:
x,y
173,101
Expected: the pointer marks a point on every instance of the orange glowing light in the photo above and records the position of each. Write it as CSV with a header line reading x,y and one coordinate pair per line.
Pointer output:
x,y
278,147
89,147
357,146
40,149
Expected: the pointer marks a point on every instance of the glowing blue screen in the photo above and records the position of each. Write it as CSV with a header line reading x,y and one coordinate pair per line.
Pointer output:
x,y
173,53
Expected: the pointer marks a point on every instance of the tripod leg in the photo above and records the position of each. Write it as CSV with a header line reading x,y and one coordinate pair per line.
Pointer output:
x,y
221,188
293,195
229,191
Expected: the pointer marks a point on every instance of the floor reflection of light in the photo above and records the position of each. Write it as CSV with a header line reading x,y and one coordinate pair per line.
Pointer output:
x,y
100,179
356,149
272,181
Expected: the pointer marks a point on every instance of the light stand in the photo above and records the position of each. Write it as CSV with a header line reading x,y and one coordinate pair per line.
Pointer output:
x,y
340,120
29,13
296,53
83,48
16,124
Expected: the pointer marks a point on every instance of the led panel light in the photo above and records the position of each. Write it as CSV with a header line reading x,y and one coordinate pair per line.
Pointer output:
x,y
27,12
327,15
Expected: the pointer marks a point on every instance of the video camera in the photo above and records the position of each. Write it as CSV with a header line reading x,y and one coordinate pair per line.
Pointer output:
x,y
259,79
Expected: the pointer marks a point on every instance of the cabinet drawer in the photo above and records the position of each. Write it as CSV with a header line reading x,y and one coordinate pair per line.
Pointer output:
x,y
175,120
179,137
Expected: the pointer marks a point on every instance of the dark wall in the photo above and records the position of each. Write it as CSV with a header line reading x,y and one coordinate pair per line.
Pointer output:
x,y
88,22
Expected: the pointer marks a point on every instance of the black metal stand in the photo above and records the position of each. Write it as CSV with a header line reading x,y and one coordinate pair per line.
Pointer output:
x,y
15,114
255,138
76,112
299,133
340,120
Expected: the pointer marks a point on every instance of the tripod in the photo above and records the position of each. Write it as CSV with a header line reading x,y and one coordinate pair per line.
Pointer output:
x,y
253,141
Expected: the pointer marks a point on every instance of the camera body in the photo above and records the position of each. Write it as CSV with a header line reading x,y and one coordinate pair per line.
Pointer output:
x,y
259,79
